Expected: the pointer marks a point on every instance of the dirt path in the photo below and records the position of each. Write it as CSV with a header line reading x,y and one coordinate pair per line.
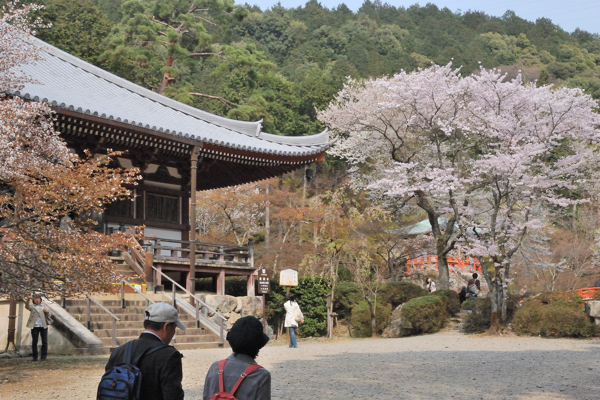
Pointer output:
x,y
447,365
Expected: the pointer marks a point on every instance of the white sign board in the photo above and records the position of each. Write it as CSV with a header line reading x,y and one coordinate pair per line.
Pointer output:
x,y
288,277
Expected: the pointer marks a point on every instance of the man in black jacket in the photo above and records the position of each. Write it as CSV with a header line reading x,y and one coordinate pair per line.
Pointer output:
x,y
161,370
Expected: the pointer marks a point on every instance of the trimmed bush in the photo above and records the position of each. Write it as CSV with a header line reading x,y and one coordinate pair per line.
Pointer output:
x,y
479,319
553,315
361,318
425,314
450,299
397,293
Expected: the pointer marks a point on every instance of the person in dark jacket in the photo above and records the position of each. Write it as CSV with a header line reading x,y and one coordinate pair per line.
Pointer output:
x,y
246,338
462,295
161,370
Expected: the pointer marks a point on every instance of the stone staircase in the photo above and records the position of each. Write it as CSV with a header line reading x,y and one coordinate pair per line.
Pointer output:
x,y
131,323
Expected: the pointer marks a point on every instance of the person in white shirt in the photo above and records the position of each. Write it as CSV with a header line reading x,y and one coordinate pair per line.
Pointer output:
x,y
430,285
293,316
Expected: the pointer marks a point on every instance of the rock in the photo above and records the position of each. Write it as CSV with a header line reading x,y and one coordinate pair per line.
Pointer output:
x,y
394,328
226,304
592,308
211,301
251,306
238,306
396,314
232,319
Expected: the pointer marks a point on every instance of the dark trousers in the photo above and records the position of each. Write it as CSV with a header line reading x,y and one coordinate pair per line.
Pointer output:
x,y
35,333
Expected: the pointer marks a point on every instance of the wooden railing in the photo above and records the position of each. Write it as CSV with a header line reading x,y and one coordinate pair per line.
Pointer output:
x,y
165,248
217,329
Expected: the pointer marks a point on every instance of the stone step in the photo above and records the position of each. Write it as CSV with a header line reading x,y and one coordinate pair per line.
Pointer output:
x,y
179,345
107,332
196,346
130,325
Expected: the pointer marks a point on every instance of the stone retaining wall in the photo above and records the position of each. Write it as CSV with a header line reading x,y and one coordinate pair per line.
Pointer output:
x,y
233,308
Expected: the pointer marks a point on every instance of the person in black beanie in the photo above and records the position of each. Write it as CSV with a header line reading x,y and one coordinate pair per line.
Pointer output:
x,y
246,338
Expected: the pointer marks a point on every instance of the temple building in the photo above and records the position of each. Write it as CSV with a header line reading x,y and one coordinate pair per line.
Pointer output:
x,y
179,150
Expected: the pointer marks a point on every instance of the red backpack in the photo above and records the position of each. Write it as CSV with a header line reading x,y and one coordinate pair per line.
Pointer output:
x,y
222,394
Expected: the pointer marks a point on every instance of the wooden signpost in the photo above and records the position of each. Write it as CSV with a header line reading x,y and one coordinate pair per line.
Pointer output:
x,y
264,288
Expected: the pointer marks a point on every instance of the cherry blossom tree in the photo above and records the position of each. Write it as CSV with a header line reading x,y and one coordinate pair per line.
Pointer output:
x,y
488,154
47,193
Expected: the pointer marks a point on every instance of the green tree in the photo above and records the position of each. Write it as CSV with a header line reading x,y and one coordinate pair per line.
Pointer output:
x,y
77,27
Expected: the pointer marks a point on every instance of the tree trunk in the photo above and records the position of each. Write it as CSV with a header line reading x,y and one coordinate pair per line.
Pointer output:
x,y
498,294
373,318
442,263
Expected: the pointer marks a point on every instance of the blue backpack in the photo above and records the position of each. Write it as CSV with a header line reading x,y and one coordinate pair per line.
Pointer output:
x,y
123,381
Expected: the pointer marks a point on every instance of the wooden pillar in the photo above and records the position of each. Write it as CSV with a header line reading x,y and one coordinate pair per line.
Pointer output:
x,y
158,276
221,283
251,283
251,278
148,261
12,316
193,180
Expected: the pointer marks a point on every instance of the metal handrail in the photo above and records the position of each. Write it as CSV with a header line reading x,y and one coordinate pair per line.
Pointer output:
x,y
197,304
89,318
123,283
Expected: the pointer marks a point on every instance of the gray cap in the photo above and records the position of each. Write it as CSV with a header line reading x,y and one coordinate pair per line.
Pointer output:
x,y
163,312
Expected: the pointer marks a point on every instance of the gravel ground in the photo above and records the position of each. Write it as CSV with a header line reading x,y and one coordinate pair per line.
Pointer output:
x,y
446,365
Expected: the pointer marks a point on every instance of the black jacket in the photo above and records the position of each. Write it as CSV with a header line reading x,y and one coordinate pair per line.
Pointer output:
x,y
161,370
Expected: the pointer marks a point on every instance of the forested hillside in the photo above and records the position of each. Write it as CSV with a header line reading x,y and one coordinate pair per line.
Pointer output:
x,y
281,64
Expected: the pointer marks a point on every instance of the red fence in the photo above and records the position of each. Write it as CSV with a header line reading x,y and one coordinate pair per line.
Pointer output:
x,y
587,293
455,264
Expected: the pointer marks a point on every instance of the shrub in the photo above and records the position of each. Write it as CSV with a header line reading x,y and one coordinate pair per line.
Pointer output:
x,y
311,294
347,295
479,319
552,315
312,297
450,299
361,318
397,293
425,314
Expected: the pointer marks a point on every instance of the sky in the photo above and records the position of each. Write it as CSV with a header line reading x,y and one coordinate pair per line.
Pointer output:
x,y
569,15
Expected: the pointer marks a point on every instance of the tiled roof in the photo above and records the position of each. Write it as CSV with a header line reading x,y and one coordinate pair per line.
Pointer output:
x,y
69,83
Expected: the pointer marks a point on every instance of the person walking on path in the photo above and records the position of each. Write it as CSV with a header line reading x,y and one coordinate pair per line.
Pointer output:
x,y
161,370
38,322
246,338
293,316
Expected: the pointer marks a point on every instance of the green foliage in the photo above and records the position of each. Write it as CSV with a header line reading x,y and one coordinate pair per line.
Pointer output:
x,y
552,315
479,319
78,27
425,314
282,65
450,299
360,320
396,293
347,295
311,294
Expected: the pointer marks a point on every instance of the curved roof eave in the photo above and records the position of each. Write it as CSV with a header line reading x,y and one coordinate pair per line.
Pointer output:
x,y
66,82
